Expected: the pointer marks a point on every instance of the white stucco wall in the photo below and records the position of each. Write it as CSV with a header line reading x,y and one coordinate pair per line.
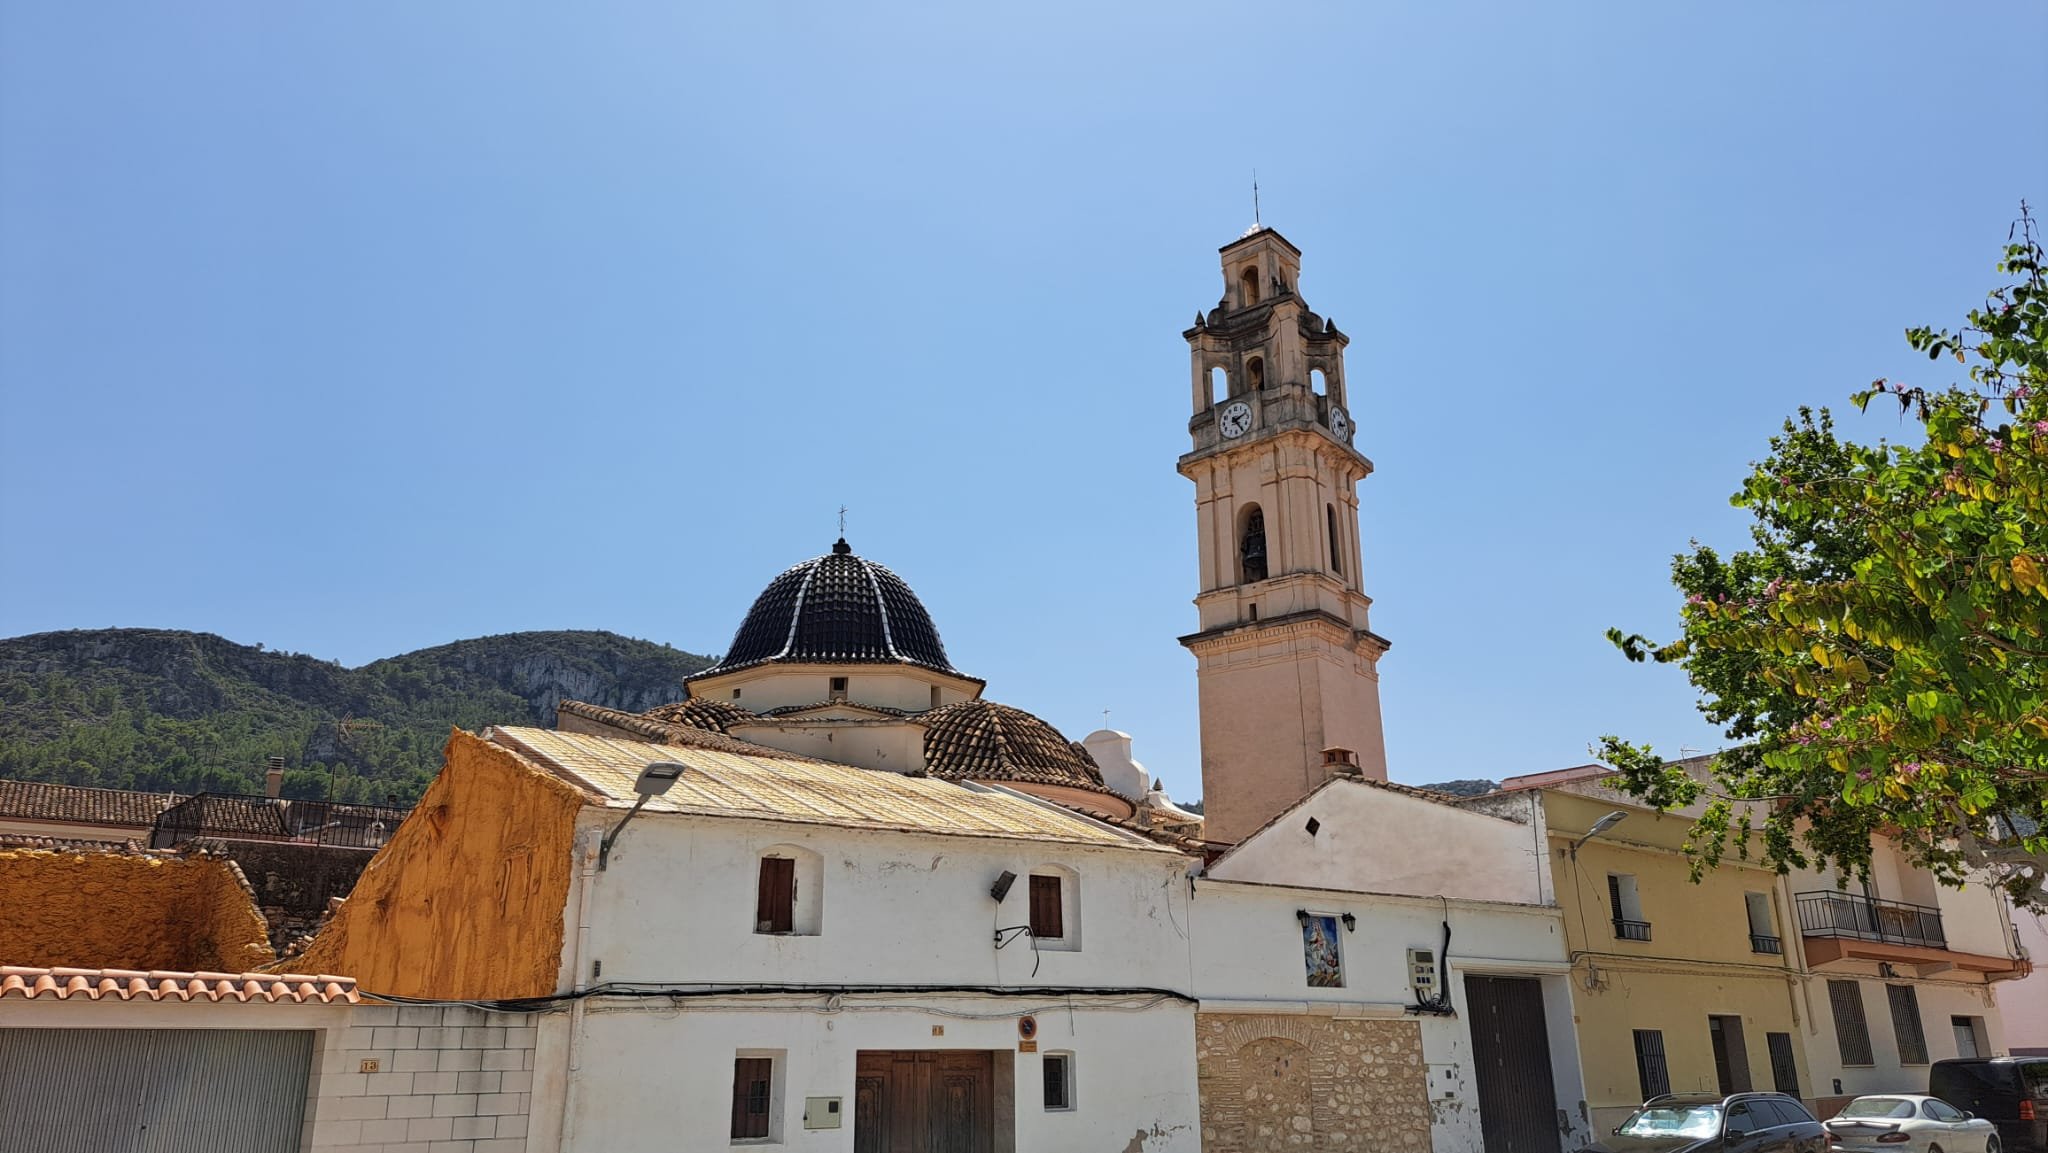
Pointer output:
x,y
1938,1003
1248,958
1378,840
655,1077
677,905
2025,1002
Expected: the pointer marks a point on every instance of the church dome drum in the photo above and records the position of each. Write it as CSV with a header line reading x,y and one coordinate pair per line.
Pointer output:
x,y
836,609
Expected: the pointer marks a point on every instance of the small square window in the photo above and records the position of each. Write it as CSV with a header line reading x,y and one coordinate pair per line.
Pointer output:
x,y
837,690
735,694
1059,1082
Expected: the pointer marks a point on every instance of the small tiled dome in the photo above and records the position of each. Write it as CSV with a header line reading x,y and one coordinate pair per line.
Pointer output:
x,y
697,713
836,609
984,741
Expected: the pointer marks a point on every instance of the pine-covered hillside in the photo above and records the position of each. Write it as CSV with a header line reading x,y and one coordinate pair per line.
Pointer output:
x,y
162,709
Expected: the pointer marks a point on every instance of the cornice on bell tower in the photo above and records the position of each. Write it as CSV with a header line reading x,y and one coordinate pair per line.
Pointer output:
x,y
1287,659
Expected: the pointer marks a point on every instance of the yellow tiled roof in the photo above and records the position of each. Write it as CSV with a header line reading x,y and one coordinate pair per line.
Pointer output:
x,y
814,792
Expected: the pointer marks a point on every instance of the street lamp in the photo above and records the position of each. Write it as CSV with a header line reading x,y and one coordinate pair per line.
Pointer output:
x,y
1600,826
657,778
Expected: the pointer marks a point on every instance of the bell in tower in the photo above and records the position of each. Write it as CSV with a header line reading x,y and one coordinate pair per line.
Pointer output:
x,y
1287,663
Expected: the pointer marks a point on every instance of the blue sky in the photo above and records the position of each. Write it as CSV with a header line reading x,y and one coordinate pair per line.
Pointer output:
x,y
356,328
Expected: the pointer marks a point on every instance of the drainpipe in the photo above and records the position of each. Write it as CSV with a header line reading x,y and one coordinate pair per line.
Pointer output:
x,y
586,848
1788,918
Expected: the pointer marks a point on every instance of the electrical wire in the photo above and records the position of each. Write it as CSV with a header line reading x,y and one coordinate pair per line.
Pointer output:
x,y
625,989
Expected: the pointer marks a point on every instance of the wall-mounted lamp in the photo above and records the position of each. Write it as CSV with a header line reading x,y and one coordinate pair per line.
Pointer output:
x,y
1302,916
1600,826
656,779
1001,888
1350,923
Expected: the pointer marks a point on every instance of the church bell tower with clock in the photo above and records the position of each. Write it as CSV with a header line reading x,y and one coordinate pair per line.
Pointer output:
x,y
1287,665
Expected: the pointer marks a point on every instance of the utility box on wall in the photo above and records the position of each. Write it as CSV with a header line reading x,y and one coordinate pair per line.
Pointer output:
x,y
1422,974
821,1112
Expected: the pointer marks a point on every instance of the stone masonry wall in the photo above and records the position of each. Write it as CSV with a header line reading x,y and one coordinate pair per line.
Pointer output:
x,y
448,1079
1272,1082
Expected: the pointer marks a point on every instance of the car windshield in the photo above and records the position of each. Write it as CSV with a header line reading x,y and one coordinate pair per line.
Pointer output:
x,y
1673,1121
1878,1107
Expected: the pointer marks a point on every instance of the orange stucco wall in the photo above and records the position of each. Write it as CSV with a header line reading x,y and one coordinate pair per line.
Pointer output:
x,y
466,901
116,911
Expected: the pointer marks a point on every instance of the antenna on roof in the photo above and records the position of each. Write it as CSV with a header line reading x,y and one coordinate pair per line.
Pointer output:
x,y
1255,200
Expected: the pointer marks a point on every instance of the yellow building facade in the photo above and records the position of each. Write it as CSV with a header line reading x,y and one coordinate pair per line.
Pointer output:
x,y
1676,986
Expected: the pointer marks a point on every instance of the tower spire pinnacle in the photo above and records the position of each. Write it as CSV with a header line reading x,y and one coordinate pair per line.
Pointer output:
x,y
1256,222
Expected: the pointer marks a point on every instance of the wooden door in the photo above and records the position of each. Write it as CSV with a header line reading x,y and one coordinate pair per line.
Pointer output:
x,y
924,1101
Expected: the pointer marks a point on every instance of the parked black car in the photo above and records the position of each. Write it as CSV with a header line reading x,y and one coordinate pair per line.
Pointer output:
x,y
1742,1123
2009,1092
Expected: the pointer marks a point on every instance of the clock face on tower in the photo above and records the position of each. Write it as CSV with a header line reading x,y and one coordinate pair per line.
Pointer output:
x,y
1236,420
1340,423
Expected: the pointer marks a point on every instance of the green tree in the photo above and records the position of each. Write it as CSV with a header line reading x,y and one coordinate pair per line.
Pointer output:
x,y
1880,651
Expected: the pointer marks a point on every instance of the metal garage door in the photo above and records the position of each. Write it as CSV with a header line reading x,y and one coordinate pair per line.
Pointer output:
x,y
1511,1057
153,1090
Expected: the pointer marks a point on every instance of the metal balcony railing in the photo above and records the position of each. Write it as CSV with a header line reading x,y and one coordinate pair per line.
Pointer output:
x,y
1859,918
1631,930
1765,943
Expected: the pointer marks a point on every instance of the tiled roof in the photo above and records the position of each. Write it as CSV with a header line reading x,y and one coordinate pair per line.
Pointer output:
x,y
670,734
30,984
42,801
984,741
777,787
836,609
698,713
66,844
856,706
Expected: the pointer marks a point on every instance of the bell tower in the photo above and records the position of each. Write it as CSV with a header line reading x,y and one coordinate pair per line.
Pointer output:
x,y
1287,665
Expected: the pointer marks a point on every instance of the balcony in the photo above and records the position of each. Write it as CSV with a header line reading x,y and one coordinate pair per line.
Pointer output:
x,y
1765,943
1631,930
1851,917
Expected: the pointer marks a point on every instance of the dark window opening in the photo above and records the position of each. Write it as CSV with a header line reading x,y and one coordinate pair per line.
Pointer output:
x,y
837,690
1255,372
753,1079
1731,1055
1248,286
1251,550
1784,1069
935,696
1653,1075
1852,1033
1906,1024
1336,549
1048,921
775,900
1059,1081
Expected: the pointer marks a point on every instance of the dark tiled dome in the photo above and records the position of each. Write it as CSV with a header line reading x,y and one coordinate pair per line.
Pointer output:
x,y
984,741
836,609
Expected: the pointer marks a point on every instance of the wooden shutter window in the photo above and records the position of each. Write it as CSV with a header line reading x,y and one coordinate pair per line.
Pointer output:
x,y
1614,897
752,1080
1047,920
775,902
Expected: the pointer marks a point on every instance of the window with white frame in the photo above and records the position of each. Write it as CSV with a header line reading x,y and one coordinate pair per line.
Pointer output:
x,y
757,1096
1059,1082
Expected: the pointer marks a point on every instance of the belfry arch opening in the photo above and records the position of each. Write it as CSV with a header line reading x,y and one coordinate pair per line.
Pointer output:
x,y
1318,383
1251,545
1255,374
1248,286
1219,385
1336,540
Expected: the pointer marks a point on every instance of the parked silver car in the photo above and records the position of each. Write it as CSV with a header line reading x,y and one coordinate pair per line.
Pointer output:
x,y
1908,1123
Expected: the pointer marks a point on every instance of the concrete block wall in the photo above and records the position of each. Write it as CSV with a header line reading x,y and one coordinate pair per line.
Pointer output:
x,y
448,1079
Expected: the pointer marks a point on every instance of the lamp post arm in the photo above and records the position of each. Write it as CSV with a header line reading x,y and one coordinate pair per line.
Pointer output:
x,y
604,847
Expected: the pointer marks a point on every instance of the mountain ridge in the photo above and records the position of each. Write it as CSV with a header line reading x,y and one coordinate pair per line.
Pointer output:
x,y
164,709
